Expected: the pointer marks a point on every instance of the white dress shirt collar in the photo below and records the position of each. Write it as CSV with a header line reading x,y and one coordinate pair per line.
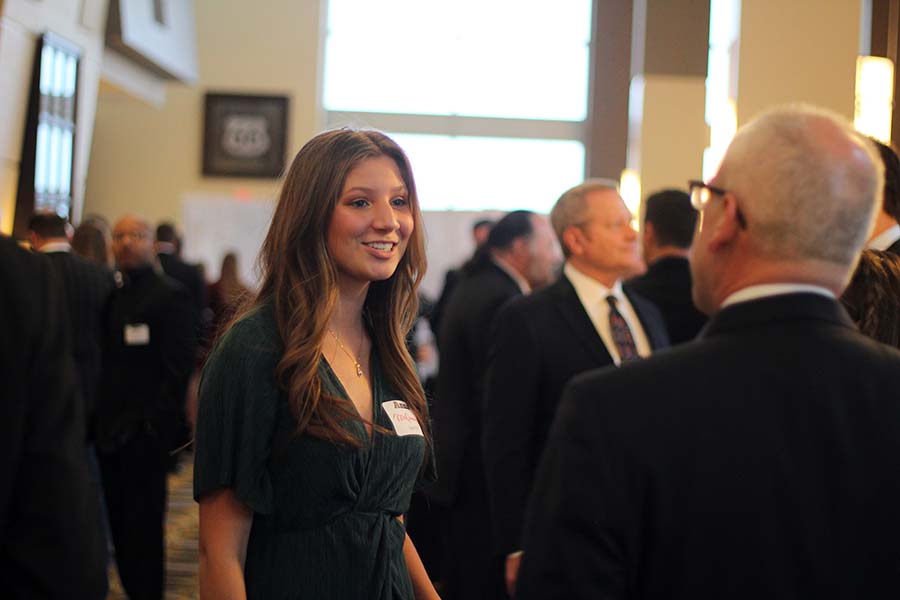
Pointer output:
x,y
755,292
165,248
589,287
56,247
885,239
507,268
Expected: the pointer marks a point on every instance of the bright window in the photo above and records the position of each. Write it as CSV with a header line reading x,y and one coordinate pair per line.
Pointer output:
x,y
489,97
475,173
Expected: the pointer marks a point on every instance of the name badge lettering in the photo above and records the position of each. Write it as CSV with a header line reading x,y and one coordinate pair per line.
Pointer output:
x,y
404,420
137,334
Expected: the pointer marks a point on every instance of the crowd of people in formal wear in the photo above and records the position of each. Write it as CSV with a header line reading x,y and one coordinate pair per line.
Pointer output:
x,y
124,322
707,409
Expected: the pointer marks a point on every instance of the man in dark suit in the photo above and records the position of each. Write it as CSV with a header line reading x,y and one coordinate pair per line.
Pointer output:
x,y
520,254
190,276
50,541
760,461
480,231
669,222
149,354
886,233
583,321
87,287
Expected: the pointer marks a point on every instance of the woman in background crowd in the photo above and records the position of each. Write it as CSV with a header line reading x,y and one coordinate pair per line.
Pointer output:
x,y
225,295
873,297
92,240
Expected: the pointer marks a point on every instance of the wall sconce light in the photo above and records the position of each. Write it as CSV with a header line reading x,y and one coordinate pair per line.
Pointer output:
x,y
630,190
874,97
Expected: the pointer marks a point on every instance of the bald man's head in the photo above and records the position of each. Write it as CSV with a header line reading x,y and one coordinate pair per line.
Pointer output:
x,y
132,243
809,184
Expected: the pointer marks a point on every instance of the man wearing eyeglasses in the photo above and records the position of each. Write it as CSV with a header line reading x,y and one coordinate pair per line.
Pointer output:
x,y
148,356
762,460
584,321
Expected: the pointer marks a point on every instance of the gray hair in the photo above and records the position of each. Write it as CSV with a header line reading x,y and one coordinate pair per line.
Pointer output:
x,y
808,184
570,209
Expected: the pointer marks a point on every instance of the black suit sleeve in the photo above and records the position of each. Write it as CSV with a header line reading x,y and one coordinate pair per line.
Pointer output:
x,y
575,535
177,344
198,286
50,543
510,428
457,407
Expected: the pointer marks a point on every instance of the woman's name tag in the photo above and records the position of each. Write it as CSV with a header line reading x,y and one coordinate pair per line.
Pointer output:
x,y
404,420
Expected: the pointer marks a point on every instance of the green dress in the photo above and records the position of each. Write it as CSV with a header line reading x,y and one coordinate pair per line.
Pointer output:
x,y
324,515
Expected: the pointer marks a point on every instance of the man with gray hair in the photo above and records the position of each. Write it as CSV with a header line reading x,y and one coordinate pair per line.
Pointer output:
x,y
584,321
762,460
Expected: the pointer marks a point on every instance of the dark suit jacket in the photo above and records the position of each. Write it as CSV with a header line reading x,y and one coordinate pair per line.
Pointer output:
x,y
50,537
87,288
452,277
540,342
667,284
188,275
463,346
760,461
143,385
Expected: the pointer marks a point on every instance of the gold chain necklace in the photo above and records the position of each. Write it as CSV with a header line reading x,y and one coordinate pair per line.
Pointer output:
x,y
359,371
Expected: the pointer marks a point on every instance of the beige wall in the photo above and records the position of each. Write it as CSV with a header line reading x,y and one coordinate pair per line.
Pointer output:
x,y
797,51
146,158
79,21
672,132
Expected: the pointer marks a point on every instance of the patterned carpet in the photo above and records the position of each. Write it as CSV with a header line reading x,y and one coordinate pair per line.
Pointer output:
x,y
182,522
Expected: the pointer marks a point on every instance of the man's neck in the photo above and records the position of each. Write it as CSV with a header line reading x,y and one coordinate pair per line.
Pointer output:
x,y
607,278
810,272
666,252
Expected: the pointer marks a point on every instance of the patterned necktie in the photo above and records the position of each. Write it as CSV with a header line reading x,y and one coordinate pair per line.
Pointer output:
x,y
621,334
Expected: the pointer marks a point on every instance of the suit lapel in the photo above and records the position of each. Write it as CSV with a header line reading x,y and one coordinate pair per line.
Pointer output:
x,y
652,328
582,328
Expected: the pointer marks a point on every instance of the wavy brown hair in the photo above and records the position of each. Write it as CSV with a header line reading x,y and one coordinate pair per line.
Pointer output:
x,y
873,297
300,280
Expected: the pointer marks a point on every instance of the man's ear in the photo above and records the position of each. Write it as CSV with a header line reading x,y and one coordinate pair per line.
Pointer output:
x,y
727,227
573,238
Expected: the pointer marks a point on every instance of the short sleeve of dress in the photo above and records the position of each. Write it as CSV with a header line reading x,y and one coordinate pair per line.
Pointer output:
x,y
238,405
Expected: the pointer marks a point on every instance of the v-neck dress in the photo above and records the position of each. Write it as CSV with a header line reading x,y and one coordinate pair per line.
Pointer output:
x,y
324,514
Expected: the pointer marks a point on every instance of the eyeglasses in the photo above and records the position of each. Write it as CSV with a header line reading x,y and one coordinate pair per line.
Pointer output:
x,y
701,193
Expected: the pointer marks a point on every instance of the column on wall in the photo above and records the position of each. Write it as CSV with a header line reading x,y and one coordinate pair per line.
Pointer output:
x,y
881,37
666,128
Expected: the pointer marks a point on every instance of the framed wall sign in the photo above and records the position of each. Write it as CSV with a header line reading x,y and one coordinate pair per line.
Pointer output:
x,y
244,136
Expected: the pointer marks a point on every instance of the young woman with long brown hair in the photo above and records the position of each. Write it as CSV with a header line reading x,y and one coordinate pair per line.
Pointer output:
x,y
312,428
